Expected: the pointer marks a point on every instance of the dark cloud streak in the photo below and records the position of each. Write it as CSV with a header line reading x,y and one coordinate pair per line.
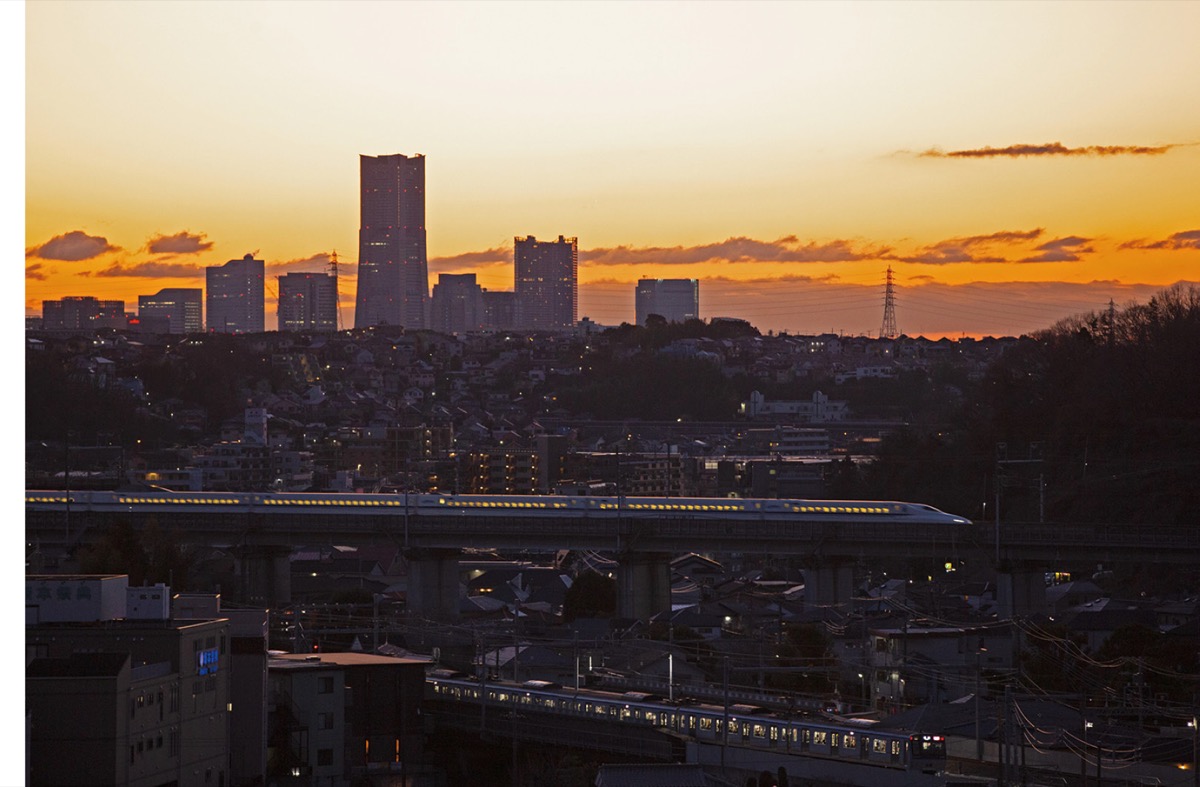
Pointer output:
x,y
317,263
179,243
1050,149
148,270
738,249
964,249
1186,240
1062,250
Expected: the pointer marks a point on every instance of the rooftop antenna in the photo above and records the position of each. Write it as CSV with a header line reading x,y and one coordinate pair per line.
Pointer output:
x,y
888,331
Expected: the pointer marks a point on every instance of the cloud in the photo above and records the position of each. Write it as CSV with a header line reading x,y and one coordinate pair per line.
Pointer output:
x,y
316,263
36,271
74,246
1188,239
499,254
740,249
148,270
489,258
1062,250
767,281
971,248
179,243
1050,149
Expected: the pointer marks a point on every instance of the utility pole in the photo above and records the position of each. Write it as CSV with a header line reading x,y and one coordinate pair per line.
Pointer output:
x,y
1085,724
725,720
1195,725
978,736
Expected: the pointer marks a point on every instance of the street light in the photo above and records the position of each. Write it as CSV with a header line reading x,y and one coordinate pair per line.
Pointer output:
x,y
1195,725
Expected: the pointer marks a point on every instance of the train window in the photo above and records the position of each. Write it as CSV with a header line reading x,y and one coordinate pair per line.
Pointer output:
x,y
849,741
879,746
895,748
652,717
760,731
808,736
820,738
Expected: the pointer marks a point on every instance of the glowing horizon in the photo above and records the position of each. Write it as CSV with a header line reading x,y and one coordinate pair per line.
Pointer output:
x,y
1013,164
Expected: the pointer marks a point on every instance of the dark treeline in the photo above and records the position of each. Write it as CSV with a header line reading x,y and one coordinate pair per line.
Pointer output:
x,y
1108,402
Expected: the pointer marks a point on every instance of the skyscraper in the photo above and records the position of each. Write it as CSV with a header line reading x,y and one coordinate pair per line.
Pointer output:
x,y
676,300
308,302
393,275
457,304
547,283
234,296
180,308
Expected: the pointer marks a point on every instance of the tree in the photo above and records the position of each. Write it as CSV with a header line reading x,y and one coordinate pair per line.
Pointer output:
x,y
148,557
591,595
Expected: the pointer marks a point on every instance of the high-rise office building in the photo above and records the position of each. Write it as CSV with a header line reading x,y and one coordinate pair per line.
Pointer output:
x,y
547,283
82,313
308,302
456,304
499,310
393,274
235,296
676,300
180,309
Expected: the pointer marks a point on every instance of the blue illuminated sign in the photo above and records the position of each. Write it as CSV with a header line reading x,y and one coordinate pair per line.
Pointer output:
x,y
206,661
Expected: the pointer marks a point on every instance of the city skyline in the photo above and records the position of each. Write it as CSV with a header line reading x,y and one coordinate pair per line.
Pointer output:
x,y
1013,163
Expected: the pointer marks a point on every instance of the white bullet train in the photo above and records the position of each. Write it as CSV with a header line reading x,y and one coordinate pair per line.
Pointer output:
x,y
507,506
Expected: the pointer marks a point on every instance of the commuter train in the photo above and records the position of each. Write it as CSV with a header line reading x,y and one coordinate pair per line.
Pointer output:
x,y
524,506
741,725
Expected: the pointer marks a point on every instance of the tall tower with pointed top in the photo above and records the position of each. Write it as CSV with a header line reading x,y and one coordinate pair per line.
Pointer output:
x,y
888,331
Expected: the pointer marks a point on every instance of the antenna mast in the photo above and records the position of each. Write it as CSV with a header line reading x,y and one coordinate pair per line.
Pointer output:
x,y
888,331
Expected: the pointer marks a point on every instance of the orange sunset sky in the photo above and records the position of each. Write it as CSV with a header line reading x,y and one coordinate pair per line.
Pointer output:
x,y
1014,163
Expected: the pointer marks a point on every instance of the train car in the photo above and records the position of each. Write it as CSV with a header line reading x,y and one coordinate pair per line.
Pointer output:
x,y
153,499
741,725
